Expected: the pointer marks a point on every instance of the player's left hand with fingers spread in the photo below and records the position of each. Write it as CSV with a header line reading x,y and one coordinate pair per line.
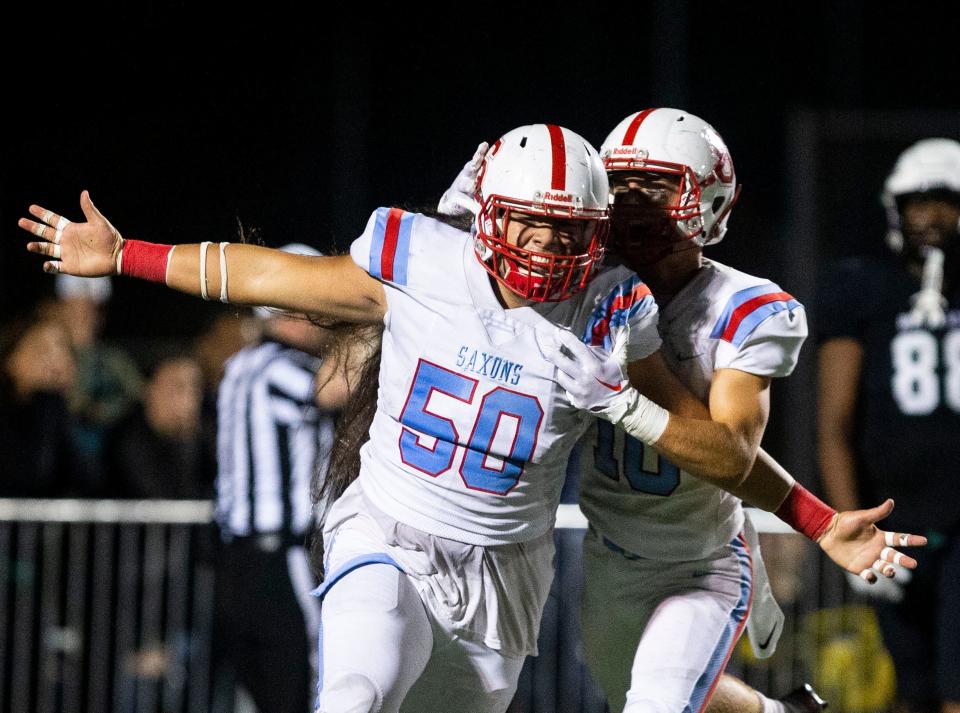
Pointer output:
x,y
854,542
87,249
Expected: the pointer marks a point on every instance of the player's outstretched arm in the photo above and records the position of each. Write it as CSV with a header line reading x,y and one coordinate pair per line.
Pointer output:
x,y
237,273
739,402
850,538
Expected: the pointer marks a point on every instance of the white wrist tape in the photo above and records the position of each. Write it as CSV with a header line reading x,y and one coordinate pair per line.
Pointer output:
x,y
223,273
203,269
166,270
638,416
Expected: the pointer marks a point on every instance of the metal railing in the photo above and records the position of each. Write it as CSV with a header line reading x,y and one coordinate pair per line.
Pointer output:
x,y
106,607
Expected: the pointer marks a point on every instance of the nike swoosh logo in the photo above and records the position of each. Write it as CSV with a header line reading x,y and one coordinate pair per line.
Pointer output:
x,y
616,388
764,644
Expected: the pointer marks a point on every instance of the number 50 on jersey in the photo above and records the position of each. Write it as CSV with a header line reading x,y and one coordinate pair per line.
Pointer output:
x,y
490,437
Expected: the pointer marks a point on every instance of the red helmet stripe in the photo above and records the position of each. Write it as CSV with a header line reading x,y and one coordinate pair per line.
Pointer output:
x,y
559,178
635,126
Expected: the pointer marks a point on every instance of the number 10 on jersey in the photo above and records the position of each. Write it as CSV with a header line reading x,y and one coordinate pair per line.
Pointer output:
x,y
503,434
644,469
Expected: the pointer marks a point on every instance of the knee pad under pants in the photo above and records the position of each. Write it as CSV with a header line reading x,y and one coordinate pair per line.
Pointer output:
x,y
376,641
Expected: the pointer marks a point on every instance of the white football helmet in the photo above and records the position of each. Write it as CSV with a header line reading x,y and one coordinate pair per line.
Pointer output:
x,y
673,142
927,166
542,170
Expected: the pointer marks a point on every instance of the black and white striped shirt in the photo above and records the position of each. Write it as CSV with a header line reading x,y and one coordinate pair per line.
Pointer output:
x,y
270,436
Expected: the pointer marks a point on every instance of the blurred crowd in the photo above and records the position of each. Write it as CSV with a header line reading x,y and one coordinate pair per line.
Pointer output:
x,y
83,417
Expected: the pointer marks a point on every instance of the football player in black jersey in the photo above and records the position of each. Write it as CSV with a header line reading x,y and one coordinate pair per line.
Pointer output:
x,y
889,410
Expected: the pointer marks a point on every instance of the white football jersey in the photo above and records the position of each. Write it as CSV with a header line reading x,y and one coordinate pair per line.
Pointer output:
x,y
722,319
472,433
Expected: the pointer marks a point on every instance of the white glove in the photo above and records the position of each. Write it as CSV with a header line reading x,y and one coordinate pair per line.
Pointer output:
x,y
591,376
460,197
594,382
888,589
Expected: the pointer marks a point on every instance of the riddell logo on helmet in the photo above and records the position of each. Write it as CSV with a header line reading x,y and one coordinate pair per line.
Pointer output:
x,y
558,197
629,151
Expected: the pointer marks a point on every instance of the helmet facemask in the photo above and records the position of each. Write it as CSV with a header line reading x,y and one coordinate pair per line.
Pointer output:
x,y
651,207
503,228
937,226
544,207
930,220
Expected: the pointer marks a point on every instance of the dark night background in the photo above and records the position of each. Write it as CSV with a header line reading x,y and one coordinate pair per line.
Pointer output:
x,y
181,122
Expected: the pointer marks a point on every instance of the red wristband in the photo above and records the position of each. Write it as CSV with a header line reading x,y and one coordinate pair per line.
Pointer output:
x,y
805,512
148,261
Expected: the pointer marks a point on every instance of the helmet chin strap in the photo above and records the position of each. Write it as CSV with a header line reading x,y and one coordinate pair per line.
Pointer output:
x,y
929,303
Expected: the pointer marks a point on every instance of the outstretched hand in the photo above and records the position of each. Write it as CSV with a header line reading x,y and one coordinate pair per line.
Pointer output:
x,y
87,249
854,542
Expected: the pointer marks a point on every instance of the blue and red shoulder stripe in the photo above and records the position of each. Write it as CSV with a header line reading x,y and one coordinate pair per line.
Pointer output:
x,y
622,304
390,245
747,309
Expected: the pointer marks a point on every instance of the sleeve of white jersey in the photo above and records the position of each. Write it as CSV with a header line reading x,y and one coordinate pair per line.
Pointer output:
x,y
770,349
626,304
383,249
633,304
644,339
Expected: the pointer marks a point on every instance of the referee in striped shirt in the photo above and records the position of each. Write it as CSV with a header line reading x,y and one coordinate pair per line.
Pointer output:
x,y
270,439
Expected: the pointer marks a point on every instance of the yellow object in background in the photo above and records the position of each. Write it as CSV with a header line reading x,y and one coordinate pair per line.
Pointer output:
x,y
851,667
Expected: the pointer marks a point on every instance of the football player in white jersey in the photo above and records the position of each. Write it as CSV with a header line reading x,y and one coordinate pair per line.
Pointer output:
x,y
851,539
438,558
668,570
444,545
